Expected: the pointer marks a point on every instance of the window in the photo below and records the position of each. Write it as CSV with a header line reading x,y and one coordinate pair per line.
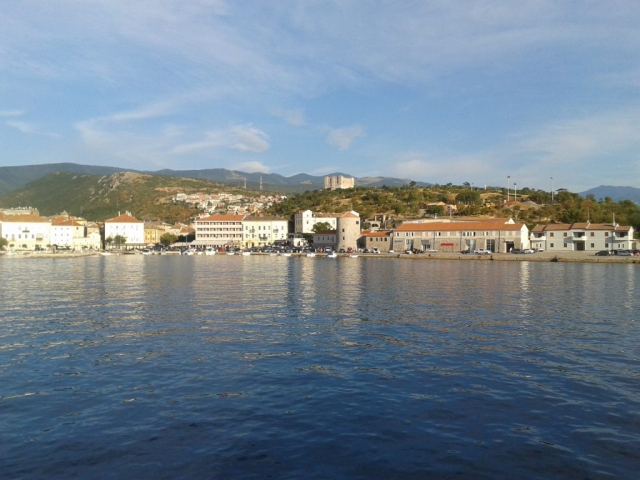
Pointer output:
x,y
551,234
564,234
551,245
593,234
593,245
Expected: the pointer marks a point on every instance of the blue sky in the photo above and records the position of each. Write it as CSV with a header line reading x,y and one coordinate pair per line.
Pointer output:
x,y
432,91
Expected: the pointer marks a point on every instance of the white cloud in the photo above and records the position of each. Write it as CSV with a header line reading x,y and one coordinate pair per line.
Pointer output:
x,y
253,167
11,113
22,127
343,138
244,138
293,117
249,139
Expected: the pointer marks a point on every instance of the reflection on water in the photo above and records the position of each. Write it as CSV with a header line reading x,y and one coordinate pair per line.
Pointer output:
x,y
246,367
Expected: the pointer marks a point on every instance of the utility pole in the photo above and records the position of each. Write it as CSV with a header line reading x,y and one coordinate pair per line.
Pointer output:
x,y
508,186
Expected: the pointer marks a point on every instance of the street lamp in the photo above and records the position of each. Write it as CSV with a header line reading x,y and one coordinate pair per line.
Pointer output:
x,y
551,190
515,192
508,186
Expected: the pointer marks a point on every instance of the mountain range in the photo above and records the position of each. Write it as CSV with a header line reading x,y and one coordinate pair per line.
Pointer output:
x,y
13,178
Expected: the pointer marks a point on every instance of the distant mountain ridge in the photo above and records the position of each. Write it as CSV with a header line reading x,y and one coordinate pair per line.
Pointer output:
x,y
617,194
12,178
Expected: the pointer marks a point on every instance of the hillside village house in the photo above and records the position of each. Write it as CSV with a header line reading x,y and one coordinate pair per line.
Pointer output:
x,y
495,235
126,226
562,237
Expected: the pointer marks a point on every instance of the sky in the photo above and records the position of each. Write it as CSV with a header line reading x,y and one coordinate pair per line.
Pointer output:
x,y
528,94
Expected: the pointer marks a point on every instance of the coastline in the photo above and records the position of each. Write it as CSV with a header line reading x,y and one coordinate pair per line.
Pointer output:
x,y
560,257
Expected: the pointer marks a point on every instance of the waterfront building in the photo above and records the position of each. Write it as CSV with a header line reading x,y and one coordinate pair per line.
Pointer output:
x,y
126,226
153,232
563,237
325,239
495,235
25,231
261,231
67,233
219,230
380,239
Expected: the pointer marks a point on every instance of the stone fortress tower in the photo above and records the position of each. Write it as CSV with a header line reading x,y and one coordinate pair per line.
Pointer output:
x,y
347,230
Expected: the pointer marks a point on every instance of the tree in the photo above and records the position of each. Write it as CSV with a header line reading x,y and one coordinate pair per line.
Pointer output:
x,y
321,227
108,241
168,239
119,240
3,243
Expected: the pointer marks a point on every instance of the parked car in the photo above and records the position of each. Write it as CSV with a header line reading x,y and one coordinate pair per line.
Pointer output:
x,y
625,253
465,252
603,253
482,251
517,251
528,250
375,250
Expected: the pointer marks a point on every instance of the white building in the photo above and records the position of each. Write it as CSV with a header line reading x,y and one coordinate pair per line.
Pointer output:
x,y
563,237
125,226
304,220
67,233
219,230
25,232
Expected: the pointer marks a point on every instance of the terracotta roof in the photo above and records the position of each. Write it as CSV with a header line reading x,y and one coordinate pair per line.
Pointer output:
x,y
124,218
63,222
25,219
376,234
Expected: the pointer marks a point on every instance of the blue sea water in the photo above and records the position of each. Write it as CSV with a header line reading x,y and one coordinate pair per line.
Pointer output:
x,y
270,367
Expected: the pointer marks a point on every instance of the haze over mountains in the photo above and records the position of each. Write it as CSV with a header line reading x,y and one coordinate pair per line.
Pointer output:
x,y
13,178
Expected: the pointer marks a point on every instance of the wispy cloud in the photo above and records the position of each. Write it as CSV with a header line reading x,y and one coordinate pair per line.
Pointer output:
x,y
245,138
23,127
11,113
253,167
343,138
293,117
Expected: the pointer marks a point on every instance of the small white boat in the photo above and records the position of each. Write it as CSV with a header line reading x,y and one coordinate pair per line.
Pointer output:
x,y
311,254
332,255
353,255
285,254
105,254
246,254
209,251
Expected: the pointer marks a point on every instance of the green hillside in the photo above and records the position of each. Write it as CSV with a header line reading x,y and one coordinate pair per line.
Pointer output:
x,y
97,198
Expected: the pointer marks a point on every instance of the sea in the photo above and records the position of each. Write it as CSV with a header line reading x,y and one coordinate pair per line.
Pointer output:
x,y
266,367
